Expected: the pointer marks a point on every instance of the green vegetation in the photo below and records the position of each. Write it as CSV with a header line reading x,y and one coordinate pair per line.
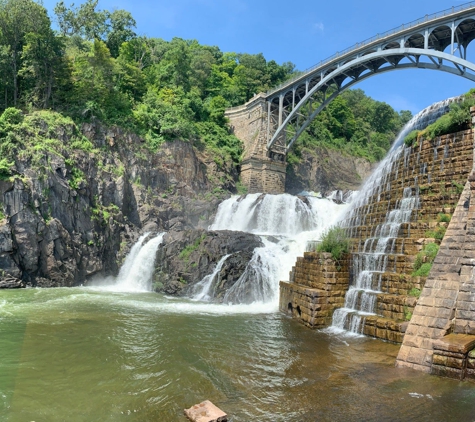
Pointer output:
x,y
458,186
443,218
334,241
424,260
39,136
96,67
414,292
355,124
407,314
189,249
456,119
438,233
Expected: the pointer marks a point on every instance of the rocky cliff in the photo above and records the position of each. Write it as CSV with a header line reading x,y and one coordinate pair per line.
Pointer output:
x,y
75,200
324,170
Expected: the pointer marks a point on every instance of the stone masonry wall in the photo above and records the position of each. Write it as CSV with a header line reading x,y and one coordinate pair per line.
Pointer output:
x,y
316,288
437,170
442,330
249,124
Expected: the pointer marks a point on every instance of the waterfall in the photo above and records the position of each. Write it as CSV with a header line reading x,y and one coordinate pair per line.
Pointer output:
x,y
370,262
204,290
286,224
369,266
136,272
130,258
267,214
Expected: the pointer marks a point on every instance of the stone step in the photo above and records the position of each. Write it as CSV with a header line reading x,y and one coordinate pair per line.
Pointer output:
x,y
384,328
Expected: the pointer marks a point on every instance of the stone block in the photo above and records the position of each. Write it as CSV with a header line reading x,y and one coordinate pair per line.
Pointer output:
x,y
470,374
205,412
458,343
445,371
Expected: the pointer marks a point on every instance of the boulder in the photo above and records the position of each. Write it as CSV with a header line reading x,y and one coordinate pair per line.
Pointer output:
x,y
205,412
186,257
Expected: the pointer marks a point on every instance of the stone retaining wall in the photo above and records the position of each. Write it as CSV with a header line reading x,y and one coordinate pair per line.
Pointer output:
x,y
317,287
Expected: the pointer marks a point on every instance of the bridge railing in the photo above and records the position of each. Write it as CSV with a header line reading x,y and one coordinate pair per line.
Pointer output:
x,y
426,18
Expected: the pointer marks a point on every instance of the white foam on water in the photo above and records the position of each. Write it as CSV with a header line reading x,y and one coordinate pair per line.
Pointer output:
x,y
286,225
135,275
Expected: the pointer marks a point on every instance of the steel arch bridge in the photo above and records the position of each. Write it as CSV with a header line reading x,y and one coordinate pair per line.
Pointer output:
x,y
438,42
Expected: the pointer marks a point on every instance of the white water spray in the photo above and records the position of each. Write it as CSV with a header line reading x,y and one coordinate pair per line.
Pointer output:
x,y
286,225
136,272
204,290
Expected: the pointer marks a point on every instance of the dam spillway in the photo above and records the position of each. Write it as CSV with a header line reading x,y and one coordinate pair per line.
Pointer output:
x,y
436,172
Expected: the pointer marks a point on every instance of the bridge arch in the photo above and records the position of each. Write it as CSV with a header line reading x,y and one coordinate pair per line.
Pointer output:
x,y
270,123
461,67
437,42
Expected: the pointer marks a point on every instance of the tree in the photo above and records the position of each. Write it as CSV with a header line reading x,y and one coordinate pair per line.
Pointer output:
x,y
44,66
89,23
96,84
18,18
382,117
120,30
405,116
84,21
5,74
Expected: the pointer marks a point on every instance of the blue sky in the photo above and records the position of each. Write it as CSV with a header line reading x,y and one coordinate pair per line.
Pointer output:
x,y
301,31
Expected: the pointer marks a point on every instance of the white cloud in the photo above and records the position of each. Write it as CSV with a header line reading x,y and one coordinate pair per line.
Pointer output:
x,y
318,27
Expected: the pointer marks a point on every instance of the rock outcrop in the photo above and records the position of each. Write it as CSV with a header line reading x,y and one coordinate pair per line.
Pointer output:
x,y
75,205
186,257
325,170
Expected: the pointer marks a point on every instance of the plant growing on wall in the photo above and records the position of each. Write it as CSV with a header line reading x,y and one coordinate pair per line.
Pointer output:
x,y
424,260
334,241
458,117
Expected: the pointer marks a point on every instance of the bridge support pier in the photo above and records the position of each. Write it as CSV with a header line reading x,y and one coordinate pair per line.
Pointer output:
x,y
263,175
261,170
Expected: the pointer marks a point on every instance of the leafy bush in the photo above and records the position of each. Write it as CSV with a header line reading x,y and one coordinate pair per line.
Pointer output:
x,y
5,168
431,250
443,218
458,187
411,138
423,271
438,233
414,292
424,260
334,241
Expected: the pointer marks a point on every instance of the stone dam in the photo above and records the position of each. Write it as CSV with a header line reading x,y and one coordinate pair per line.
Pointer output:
x,y
432,317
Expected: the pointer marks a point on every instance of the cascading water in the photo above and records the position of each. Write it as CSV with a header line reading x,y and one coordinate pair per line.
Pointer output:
x,y
371,260
205,289
136,272
286,224
370,264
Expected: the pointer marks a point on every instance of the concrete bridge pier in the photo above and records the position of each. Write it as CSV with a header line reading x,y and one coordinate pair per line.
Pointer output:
x,y
262,170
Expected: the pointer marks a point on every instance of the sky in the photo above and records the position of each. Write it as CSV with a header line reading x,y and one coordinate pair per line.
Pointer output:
x,y
303,32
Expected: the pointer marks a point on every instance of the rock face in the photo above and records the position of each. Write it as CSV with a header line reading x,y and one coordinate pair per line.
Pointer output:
x,y
186,257
326,170
71,213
